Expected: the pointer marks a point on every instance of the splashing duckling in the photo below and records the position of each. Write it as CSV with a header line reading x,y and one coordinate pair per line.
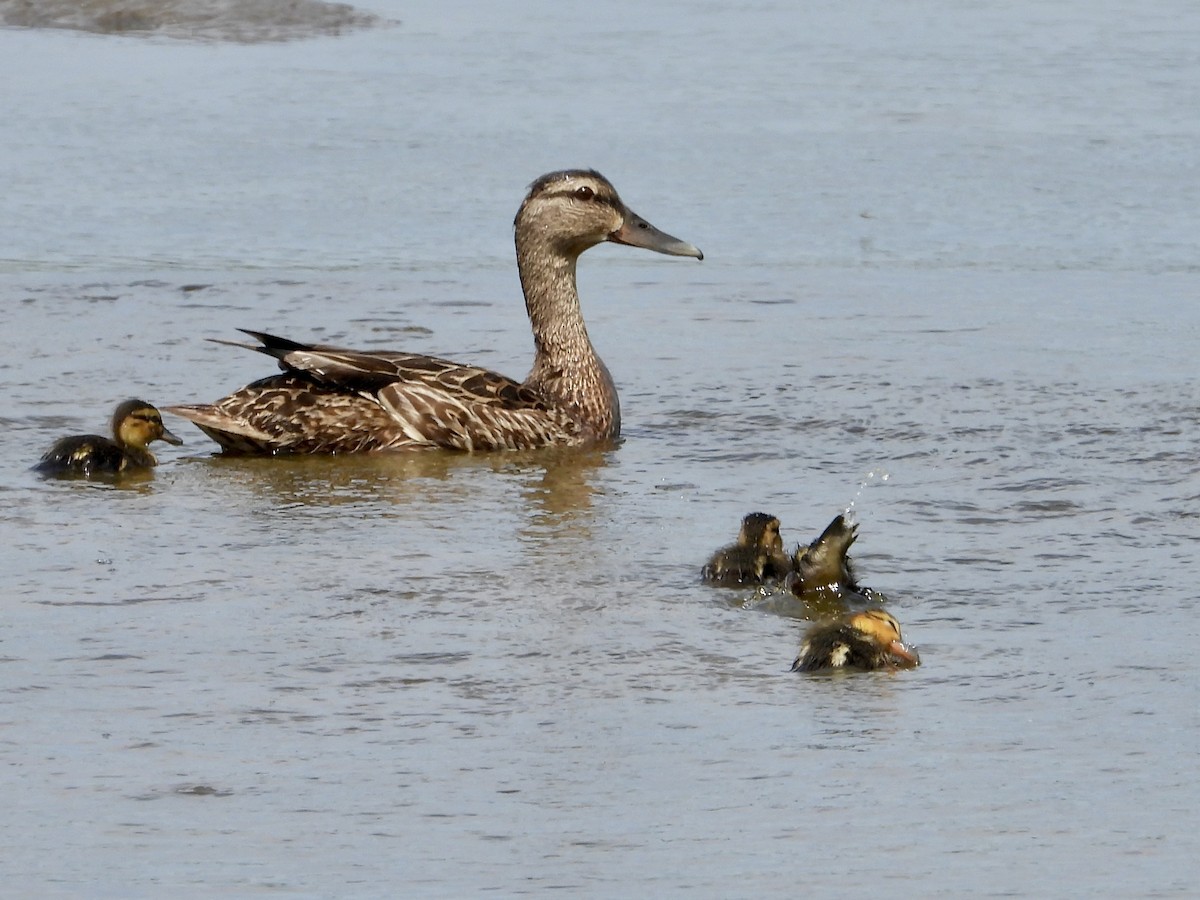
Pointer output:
x,y
823,568
758,554
863,641
135,424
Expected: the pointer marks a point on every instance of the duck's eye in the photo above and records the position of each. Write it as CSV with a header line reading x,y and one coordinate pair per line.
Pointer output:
x,y
584,193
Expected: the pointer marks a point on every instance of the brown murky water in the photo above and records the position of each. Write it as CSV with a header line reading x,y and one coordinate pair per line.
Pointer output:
x,y
441,674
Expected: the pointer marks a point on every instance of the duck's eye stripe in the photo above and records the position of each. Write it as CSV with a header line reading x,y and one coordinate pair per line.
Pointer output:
x,y
582,193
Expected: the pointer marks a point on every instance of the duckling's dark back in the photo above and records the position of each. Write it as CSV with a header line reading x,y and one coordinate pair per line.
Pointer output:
x,y
838,646
82,454
735,566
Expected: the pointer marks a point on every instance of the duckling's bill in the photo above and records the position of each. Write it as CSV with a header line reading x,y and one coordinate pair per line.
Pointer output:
x,y
170,437
904,654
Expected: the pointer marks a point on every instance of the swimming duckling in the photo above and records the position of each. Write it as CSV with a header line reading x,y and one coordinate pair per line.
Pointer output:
x,y
758,554
135,423
865,641
823,567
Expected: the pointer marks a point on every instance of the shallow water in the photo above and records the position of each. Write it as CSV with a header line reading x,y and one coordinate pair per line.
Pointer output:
x,y
953,246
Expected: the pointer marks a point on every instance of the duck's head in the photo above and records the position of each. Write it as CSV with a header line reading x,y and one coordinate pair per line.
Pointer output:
x,y
883,630
578,208
762,531
136,423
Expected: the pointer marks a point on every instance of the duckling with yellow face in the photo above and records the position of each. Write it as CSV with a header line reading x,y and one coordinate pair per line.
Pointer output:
x,y
135,424
757,555
864,641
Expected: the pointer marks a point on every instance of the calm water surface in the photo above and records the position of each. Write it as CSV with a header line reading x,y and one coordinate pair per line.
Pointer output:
x,y
947,244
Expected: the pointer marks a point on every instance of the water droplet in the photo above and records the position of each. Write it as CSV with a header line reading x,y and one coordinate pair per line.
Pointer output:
x,y
877,474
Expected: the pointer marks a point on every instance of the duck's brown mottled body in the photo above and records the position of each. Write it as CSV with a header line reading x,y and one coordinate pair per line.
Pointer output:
x,y
297,413
864,641
135,424
757,555
332,400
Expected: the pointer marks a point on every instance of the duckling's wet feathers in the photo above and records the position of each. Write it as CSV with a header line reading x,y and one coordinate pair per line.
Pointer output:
x,y
756,555
824,565
864,641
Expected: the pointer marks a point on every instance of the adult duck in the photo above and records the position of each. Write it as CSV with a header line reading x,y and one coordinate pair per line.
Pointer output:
x,y
135,425
864,641
755,556
331,400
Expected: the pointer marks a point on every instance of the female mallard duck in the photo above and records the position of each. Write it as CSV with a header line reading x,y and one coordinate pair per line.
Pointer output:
x,y
865,641
331,400
134,425
758,554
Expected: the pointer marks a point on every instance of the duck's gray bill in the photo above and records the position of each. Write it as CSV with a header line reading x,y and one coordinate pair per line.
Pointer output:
x,y
637,232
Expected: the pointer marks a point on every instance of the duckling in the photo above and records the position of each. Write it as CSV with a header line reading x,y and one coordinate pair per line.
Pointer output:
x,y
757,555
865,641
135,424
823,568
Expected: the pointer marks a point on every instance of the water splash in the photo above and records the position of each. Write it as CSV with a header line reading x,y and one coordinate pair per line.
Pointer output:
x,y
877,475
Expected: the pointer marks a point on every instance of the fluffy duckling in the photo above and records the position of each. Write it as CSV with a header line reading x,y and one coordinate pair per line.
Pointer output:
x,y
864,641
758,554
823,568
135,424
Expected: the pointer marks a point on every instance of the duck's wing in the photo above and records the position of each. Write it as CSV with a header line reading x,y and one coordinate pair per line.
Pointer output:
x,y
332,399
434,401
355,370
473,409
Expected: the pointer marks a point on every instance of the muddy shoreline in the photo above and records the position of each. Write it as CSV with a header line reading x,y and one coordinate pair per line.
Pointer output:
x,y
241,21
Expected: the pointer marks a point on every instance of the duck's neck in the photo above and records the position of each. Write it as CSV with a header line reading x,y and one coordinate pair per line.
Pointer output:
x,y
566,368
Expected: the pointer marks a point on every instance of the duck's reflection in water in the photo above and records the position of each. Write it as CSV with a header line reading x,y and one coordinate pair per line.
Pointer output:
x,y
536,494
